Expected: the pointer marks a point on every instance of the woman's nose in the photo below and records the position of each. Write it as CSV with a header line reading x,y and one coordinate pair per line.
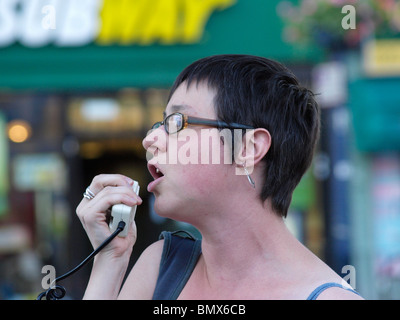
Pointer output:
x,y
155,141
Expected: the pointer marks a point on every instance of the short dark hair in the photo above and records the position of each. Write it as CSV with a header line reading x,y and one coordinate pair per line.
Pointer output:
x,y
263,93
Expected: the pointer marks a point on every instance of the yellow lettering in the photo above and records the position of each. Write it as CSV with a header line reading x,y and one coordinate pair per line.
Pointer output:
x,y
162,23
121,20
196,15
165,21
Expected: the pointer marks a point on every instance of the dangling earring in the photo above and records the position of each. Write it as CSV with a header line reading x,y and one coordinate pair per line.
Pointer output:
x,y
251,181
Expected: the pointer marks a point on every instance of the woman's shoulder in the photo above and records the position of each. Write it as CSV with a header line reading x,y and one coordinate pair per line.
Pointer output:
x,y
315,279
142,278
326,284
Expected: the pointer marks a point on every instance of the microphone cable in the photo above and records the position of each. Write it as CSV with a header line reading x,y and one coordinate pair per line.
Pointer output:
x,y
57,292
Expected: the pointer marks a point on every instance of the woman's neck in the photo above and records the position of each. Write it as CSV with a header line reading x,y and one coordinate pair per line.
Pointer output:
x,y
245,243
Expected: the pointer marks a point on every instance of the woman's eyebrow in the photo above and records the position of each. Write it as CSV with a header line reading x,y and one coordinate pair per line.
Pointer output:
x,y
177,108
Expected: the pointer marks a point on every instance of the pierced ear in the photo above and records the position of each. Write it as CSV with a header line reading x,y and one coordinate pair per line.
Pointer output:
x,y
255,145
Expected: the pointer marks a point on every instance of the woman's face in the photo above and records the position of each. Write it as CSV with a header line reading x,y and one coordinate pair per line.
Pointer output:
x,y
188,167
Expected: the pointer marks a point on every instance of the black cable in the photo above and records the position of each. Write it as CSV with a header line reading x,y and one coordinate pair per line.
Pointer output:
x,y
57,292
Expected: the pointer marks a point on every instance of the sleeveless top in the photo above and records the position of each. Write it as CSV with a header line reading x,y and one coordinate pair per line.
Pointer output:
x,y
180,254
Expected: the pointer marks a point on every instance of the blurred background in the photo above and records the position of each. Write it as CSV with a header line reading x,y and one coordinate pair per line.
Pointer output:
x,y
82,81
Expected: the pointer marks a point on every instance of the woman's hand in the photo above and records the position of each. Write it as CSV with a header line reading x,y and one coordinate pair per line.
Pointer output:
x,y
109,189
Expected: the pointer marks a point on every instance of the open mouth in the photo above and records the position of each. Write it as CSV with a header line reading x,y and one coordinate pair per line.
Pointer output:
x,y
155,172
157,175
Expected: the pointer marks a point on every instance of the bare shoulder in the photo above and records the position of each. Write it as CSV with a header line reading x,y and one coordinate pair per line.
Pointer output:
x,y
153,251
336,293
142,279
320,277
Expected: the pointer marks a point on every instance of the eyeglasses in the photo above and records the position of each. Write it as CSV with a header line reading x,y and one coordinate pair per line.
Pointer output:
x,y
176,122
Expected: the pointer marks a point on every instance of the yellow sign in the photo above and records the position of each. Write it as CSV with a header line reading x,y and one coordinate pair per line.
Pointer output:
x,y
382,57
166,21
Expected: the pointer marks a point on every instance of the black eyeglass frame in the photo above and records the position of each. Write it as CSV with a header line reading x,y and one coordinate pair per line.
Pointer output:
x,y
199,121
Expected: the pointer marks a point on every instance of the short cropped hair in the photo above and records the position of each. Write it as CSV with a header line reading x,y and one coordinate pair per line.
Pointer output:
x,y
264,94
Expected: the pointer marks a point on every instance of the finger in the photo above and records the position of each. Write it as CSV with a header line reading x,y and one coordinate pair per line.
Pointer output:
x,y
101,181
106,198
110,196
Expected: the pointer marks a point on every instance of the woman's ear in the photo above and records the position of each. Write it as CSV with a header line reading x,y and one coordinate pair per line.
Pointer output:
x,y
255,145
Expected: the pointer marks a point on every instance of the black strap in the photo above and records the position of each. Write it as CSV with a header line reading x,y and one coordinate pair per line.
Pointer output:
x,y
179,258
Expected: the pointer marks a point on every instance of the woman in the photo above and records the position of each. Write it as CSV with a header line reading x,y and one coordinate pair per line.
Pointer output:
x,y
238,206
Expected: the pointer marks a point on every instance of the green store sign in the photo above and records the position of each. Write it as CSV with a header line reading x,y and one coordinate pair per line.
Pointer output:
x,y
108,44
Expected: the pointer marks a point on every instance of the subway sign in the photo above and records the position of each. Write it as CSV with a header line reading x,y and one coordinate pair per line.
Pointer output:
x,y
110,44
73,23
